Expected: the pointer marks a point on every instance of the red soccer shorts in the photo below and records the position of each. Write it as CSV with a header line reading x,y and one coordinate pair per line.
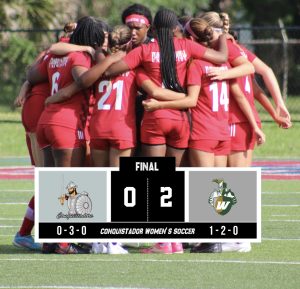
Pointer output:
x,y
31,111
59,137
174,133
243,137
219,148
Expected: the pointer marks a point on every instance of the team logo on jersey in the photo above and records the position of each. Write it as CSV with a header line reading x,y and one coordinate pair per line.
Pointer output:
x,y
222,198
79,204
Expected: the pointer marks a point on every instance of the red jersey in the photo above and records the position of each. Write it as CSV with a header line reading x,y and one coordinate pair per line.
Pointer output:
x,y
72,112
211,114
245,83
114,111
148,56
34,106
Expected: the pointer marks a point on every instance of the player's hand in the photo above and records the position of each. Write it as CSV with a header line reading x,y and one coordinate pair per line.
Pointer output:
x,y
151,104
118,55
281,110
19,101
283,122
215,73
91,51
260,136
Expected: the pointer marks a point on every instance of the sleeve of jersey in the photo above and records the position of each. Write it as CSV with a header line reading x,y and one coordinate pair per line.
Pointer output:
x,y
43,65
250,55
81,59
141,76
196,50
134,58
233,51
194,74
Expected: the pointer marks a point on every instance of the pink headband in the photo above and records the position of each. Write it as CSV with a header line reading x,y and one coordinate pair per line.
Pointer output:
x,y
188,28
137,18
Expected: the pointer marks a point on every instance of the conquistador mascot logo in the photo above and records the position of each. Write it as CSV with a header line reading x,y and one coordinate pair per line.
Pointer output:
x,y
222,198
79,204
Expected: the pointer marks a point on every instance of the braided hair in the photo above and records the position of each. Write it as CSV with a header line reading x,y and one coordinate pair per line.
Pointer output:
x,y
89,31
165,21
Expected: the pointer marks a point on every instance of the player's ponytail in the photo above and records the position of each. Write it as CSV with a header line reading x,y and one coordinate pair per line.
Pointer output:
x,y
119,38
165,21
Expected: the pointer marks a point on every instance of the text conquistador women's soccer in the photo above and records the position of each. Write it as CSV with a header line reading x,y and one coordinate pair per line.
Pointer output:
x,y
121,231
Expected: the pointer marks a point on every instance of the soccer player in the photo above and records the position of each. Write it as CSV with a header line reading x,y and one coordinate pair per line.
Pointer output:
x,y
139,19
61,126
112,124
165,132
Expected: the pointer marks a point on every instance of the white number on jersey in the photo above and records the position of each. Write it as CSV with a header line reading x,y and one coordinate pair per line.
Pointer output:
x,y
106,84
219,97
55,78
247,85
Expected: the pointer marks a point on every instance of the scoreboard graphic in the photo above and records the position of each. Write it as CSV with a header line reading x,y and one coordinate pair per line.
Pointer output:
x,y
147,200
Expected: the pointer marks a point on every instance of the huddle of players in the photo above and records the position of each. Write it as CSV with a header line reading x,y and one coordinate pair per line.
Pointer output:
x,y
195,82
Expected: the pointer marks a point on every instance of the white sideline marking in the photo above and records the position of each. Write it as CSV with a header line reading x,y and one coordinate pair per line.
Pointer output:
x,y
16,191
283,220
9,219
284,215
69,287
280,205
13,203
9,226
280,193
158,261
279,239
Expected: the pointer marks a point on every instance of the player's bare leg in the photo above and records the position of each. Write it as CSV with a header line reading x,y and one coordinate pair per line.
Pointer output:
x,y
36,151
220,161
69,157
238,159
177,153
48,157
100,158
201,159
154,150
115,154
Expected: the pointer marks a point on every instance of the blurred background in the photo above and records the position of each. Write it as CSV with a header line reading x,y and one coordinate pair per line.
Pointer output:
x,y
270,28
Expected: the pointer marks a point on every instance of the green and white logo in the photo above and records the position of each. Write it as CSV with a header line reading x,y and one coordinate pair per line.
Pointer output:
x,y
222,198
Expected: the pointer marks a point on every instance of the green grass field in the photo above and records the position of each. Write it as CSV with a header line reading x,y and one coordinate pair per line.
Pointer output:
x,y
272,264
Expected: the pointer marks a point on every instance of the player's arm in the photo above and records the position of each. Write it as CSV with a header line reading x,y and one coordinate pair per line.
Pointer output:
x,y
67,92
160,93
97,71
187,102
25,88
217,56
241,67
246,109
272,85
63,94
35,75
153,90
260,96
62,48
